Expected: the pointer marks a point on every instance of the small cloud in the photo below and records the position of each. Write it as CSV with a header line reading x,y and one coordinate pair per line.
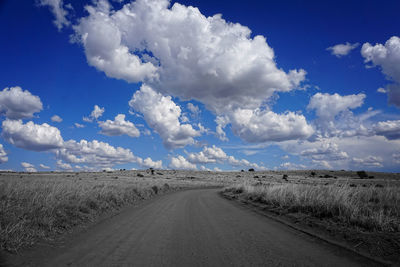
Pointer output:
x,y
96,113
43,166
217,169
249,152
28,167
78,125
195,110
60,14
56,118
16,103
119,126
340,50
381,90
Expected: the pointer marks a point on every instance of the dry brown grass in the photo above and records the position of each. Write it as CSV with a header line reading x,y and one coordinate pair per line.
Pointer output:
x,y
371,208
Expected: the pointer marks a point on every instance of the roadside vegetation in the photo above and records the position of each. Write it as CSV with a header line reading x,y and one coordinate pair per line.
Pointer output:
x,y
371,208
41,206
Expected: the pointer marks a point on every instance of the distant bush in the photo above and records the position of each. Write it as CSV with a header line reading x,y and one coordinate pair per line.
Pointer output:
x,y
313,174
251,170
285,177
362,174
140,175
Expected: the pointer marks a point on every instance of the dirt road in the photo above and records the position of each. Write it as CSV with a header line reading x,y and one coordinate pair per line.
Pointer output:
x,y
193,228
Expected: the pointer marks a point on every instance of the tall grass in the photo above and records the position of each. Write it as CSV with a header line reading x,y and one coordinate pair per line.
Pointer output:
x,y
372,208
32,209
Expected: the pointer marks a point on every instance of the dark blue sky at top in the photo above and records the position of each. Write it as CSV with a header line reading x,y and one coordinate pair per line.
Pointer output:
x,y
37,57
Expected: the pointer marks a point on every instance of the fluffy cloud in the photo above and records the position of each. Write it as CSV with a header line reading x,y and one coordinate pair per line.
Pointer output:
x,y
386,56
162,114
221,121
56,118
327,151
291,166
208,155
389,129
95,114
345,152
195,110
381,90
43,166
78,125
370,161
28,167
100,154
149,163
63,166
334,115
264,125
181,52
217,155
340,50
327,106
31,136
94,153
181,163
58,11
118,127
396,157
18,104
3,154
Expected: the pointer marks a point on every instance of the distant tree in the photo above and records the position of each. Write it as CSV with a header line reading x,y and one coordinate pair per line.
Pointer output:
x,y
362,174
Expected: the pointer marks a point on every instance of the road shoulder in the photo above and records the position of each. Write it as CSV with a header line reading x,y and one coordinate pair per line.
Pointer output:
x,y
368,245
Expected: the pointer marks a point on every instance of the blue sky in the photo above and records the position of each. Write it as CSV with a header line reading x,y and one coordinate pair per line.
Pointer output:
x,y
269,85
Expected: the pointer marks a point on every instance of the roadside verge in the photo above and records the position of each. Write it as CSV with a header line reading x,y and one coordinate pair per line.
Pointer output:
x,y
374,246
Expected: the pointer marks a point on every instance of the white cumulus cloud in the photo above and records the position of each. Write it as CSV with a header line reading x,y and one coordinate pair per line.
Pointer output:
x,y
181,163
118,126
162,114
28,167
31,136
327,106
340,50
386,56
389,129
59,12
264,125
96,113
16,103
56,118
181,52
3,154
178,51
43,166
94,153
215,154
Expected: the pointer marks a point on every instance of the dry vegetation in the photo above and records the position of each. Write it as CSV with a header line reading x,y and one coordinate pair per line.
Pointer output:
x,y
372,208
40,206
363,213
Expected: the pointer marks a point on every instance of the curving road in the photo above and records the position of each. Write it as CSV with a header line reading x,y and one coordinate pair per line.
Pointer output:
x,y
193,228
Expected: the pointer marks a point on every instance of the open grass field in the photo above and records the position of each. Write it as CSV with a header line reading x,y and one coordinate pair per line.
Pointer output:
x,y
41,206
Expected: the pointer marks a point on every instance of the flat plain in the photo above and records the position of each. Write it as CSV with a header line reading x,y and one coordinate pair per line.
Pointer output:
x,y
49,208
